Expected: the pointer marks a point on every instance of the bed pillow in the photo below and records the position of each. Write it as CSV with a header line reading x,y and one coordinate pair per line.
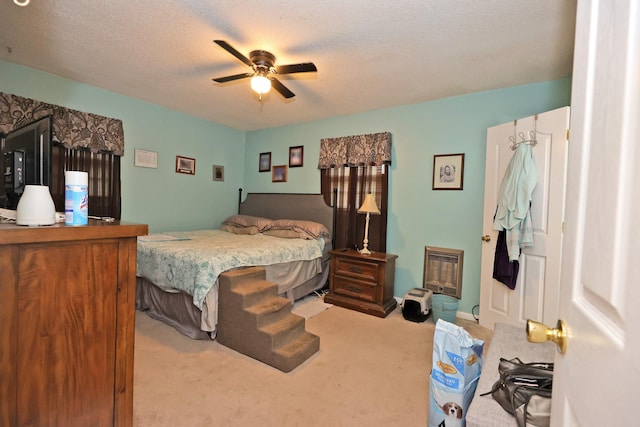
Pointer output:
x,y
248,221
287,234
240,229
310,229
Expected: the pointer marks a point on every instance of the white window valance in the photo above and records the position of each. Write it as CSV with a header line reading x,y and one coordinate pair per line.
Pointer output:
x,y
72,128
357,150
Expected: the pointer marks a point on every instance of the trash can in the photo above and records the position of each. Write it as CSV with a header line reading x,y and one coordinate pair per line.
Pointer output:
x,y
444,307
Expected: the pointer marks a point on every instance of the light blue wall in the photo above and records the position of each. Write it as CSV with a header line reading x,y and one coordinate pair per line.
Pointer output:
x,y
159,197
418,216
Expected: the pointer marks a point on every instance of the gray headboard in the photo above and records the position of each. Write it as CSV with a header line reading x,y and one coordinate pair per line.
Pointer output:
x,y
310,207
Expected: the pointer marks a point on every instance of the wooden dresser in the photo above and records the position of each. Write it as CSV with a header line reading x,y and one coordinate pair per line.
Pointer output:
x,y
362,282
67,307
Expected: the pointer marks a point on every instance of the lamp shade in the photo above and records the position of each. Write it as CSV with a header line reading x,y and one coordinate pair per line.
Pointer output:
x,y
36,206
260,84
369,205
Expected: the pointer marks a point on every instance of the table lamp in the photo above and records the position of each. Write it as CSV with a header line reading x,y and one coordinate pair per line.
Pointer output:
x,y
369,207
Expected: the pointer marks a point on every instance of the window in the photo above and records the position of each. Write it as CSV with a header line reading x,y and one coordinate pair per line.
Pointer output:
x,y
354,166
104,179
351,184
82,142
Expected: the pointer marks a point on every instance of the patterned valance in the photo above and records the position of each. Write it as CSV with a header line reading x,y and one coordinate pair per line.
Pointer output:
x,y
356,150
73,129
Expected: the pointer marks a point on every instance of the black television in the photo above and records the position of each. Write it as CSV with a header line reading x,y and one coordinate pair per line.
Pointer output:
x,y
25,160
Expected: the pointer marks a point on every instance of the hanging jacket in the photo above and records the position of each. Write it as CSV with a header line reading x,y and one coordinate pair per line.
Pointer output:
x,y
513,213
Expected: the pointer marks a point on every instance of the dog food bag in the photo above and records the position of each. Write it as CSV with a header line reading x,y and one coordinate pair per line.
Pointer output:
x,y
457,363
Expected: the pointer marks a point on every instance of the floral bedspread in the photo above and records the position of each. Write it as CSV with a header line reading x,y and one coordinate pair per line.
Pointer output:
x,y
191,261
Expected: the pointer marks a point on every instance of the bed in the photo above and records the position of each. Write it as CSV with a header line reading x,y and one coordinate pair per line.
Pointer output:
x,y
177,271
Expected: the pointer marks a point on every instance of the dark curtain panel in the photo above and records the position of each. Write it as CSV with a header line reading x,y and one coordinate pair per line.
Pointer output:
x,y
352,183
104,179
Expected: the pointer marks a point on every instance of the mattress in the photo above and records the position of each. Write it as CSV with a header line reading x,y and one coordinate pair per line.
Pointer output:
x,y
190,263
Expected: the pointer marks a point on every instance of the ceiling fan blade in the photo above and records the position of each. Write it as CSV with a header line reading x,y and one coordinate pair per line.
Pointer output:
x,y
296,68
275,83
226,46
233,77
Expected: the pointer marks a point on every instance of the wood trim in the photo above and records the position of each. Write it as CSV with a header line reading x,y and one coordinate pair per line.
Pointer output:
x,y
125,332
8,336
11,233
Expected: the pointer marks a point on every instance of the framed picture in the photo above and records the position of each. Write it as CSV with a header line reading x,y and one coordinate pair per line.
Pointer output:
x,y
279,173
185,165
264,165
448,171
218,173
296,156
145,159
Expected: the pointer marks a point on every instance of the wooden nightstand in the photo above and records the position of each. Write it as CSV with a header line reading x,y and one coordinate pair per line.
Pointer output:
x,y
362,282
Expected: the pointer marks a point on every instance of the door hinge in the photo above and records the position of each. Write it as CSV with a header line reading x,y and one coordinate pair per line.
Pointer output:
x,y
562,227
568,132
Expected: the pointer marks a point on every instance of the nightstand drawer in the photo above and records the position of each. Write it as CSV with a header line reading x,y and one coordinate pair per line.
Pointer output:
x,y
362,282
360,289
362,270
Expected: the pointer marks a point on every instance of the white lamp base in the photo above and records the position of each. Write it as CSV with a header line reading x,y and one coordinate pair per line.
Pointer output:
x,y
365,249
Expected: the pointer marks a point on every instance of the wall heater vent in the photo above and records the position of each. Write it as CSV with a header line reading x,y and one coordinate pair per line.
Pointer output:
x,y
443,271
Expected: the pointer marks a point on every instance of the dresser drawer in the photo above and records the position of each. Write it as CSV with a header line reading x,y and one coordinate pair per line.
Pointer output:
x,y
361,270
351,287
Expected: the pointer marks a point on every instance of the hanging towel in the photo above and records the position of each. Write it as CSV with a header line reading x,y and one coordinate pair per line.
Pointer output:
x,y
513,213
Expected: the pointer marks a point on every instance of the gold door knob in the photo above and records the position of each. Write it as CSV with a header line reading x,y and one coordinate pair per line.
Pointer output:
x,y
486,238
537,332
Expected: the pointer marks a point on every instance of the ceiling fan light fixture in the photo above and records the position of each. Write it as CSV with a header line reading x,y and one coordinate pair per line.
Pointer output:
x,y
260,84
263,71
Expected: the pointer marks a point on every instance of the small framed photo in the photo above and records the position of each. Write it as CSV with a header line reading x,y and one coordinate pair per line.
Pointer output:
x,y
279,173
145,159
448,171
185,165
296,156
218,173
264,165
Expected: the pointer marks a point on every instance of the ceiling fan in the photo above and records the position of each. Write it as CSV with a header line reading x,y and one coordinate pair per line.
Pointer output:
x,y
264,70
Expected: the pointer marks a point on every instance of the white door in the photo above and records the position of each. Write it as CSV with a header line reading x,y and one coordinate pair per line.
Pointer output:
x,y
537,292
595,381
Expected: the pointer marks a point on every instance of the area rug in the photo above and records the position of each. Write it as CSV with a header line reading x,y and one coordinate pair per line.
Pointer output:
x,y
310,306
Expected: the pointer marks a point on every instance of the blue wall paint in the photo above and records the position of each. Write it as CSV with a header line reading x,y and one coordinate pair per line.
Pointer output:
x,y
159,197
418,216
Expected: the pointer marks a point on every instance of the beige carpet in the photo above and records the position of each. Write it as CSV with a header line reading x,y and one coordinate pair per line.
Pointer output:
x,y
310,306
368,372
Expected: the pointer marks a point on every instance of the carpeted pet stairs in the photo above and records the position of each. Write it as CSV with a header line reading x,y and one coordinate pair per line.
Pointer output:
x,y
255,321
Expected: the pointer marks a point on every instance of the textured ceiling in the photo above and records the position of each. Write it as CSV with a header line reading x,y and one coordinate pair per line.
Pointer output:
x,y
370,54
